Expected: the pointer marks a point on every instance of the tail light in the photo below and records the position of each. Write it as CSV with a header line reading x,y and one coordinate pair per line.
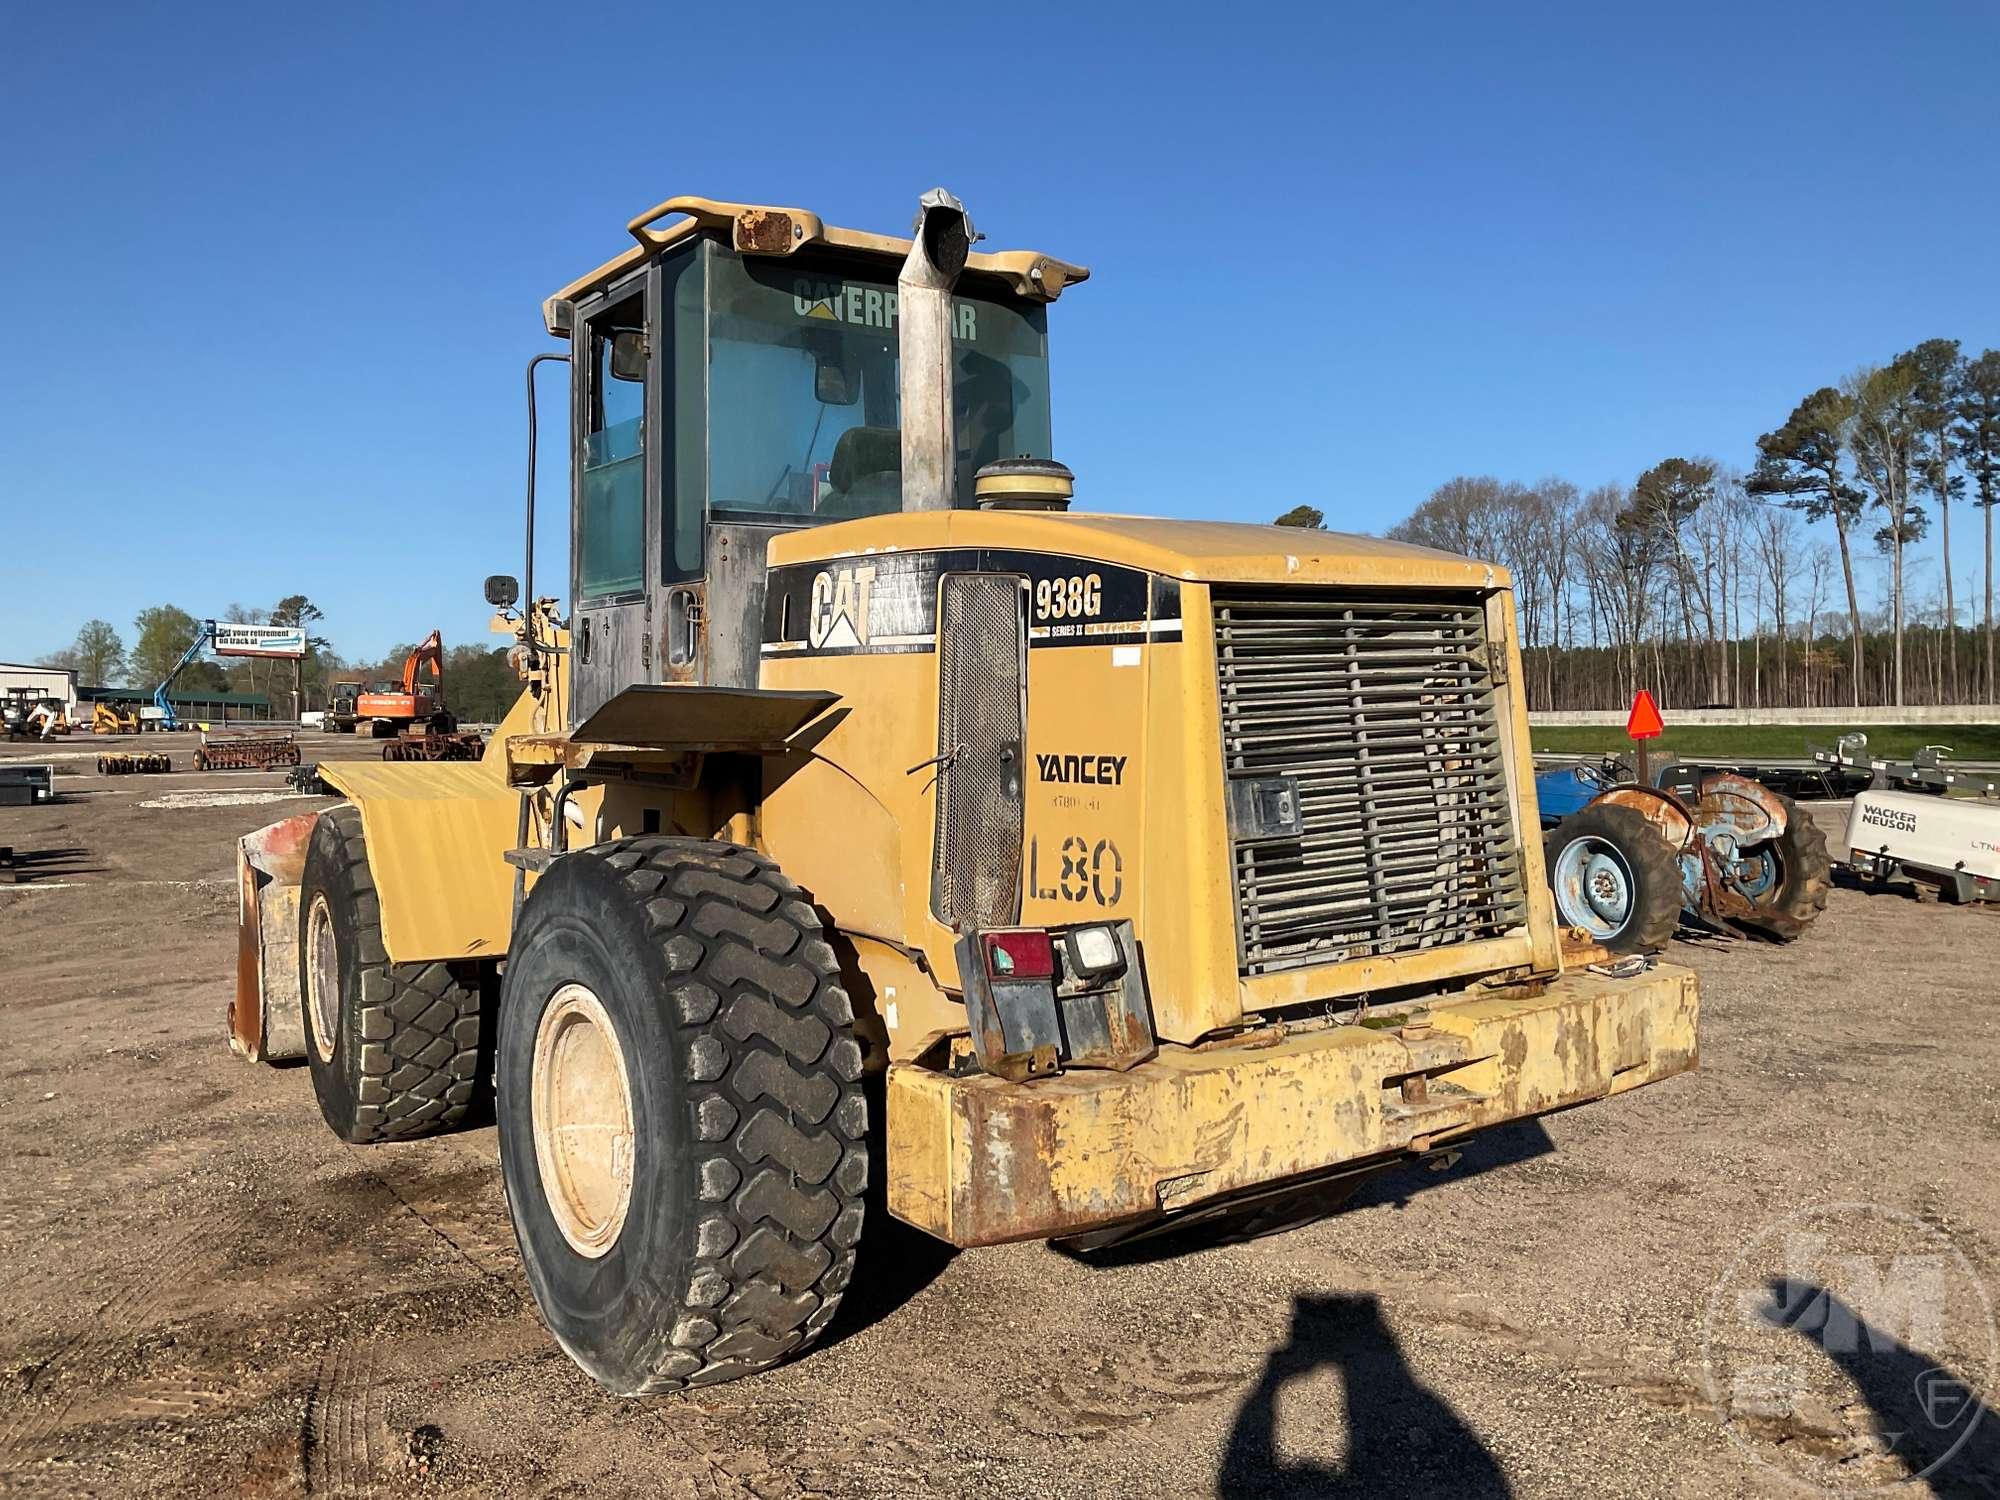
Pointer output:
x,y
1023,953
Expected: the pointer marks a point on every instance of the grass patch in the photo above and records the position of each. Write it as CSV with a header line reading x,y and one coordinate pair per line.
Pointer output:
x,y
1777,741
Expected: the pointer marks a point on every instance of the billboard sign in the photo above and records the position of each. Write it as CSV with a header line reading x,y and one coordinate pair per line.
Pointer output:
x,y
287,641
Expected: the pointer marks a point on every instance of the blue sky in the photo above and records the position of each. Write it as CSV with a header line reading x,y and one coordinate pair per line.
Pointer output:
x,y
274,270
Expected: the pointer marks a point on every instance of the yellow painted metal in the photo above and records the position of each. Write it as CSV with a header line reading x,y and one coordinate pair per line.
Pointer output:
x,y
855,822
1204,551
761,229
1233,1101
436,831
977,1161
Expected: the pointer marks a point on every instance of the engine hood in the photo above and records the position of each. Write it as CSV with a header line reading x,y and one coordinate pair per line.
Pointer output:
x,y
1194,551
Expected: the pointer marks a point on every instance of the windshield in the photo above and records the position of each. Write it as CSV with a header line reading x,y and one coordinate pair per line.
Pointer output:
x,y
802,395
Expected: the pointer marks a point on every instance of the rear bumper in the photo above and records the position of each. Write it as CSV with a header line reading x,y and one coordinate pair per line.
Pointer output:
x,y
978,1161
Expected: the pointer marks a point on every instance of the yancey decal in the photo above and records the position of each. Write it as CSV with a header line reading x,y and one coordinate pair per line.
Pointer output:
x,y
1082,770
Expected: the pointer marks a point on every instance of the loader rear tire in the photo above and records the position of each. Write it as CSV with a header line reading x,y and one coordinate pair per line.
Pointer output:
x,y
1615,876
394,1049
683,1133
1804,874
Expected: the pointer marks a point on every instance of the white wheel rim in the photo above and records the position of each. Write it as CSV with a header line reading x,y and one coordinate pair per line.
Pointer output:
x,y
322,976
581,1101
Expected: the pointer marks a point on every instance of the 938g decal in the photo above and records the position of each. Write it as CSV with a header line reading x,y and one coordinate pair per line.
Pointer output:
x,y
887,601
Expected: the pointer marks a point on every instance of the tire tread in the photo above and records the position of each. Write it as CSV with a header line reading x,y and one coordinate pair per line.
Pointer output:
x,y
420,1024
779,1120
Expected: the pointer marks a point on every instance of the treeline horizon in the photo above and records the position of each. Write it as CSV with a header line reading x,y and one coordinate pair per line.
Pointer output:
x,y
1700,582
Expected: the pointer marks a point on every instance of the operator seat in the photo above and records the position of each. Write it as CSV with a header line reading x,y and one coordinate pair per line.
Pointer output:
x,y
866,473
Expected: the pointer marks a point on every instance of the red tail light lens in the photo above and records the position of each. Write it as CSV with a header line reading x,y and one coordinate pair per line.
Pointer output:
x,y
1019,955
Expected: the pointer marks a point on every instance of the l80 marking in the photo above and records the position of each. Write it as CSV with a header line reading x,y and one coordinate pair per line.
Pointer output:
x,y
1084,872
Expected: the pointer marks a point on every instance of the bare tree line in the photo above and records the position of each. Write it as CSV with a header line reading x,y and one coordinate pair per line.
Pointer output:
x,y
1704,584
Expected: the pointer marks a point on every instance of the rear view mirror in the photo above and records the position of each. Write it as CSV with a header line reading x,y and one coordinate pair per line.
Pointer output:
x,y
628,354
502,590
831,386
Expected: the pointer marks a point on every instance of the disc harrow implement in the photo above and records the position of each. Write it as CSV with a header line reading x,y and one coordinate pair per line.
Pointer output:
x,y
246,753
435,747
133,765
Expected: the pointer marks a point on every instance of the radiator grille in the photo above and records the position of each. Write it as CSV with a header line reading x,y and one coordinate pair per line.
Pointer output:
x,y
1382,708
982,645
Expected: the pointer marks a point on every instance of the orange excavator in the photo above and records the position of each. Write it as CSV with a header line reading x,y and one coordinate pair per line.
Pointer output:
x,y
382,709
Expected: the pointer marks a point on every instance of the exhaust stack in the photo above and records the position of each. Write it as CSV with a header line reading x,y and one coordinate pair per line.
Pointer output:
x,y
938,248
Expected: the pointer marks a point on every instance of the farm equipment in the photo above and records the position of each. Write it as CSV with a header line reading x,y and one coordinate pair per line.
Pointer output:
x,y
435,747
868,817
1629,861
415,706
114,718
133,765
245,752
306,779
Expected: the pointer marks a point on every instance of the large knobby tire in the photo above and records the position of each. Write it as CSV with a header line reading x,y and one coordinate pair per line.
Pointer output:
x,y
1797,894
394,1049
1615,876
682,1123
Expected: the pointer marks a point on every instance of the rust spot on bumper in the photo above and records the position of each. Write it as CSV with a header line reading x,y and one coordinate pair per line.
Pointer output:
x,y
976,1160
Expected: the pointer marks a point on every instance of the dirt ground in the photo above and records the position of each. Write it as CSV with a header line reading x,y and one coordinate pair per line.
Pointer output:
x,y
203,1292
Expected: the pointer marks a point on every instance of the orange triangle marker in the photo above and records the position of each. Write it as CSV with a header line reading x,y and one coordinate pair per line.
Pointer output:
x,y
1644,722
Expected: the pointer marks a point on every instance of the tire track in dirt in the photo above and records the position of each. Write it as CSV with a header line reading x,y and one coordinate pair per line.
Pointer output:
x,y
345,1435
481,1239
107,1332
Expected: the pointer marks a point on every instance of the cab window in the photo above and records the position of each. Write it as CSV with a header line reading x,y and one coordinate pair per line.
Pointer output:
x,y
612,519
802,392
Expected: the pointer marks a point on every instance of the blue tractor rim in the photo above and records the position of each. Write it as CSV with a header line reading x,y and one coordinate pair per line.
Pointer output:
x,y
1594,887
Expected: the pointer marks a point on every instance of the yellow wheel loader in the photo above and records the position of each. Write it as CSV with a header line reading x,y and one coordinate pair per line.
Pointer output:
x,y
875,830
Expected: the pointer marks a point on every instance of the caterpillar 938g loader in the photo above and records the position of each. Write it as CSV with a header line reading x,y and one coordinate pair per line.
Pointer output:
x,y
869,816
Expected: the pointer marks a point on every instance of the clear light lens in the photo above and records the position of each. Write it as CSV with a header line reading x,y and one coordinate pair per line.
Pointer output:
x,y
1095,948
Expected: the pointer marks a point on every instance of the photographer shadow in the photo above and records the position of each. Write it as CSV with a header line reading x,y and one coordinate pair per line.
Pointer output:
x,y
1934,1422
1402,1438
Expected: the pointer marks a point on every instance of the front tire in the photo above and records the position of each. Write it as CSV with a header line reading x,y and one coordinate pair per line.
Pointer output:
x,y
1616,877
682,1125
394,1049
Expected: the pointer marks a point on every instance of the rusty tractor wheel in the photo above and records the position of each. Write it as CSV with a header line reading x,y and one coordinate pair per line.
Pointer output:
x,y
1787,878
1615,877
394,1049
682,1123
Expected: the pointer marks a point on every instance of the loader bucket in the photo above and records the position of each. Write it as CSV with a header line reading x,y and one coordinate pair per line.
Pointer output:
x,y
266,1023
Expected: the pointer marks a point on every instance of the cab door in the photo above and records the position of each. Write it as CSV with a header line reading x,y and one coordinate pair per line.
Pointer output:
x,y
610,561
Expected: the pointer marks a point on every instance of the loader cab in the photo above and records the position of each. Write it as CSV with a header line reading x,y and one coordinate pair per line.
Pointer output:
x,y
722,395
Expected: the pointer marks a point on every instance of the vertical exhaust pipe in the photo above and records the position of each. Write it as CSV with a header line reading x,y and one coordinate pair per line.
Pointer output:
x,y
938,249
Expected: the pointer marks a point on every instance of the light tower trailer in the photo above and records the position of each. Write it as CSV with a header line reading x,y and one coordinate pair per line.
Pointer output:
x,y
1952,843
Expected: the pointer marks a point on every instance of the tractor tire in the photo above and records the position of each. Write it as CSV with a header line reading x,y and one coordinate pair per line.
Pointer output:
x,y
683,1132
1804,876
394,1049
1614,875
